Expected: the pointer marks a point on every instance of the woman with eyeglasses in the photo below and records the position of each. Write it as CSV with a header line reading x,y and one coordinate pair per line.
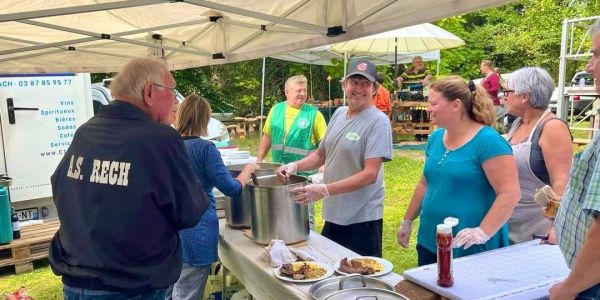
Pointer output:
x,y
542,147
469,174
199,243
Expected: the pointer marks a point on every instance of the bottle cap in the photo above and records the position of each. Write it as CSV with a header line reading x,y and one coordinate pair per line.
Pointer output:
x,y
444,228
450,221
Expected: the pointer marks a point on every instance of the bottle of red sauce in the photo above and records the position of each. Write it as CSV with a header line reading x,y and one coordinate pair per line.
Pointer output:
x,y
444,255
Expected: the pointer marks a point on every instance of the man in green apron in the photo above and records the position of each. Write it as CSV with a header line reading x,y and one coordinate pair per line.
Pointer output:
x,y
293,129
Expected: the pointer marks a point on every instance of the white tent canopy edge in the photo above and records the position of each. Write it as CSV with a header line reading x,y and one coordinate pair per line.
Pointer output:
x,y
41,36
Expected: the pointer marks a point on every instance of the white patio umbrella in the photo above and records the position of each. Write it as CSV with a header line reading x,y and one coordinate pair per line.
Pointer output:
x,y
422,37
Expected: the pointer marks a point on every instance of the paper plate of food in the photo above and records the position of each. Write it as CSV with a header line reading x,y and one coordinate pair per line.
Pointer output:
x,y
365,265
304,271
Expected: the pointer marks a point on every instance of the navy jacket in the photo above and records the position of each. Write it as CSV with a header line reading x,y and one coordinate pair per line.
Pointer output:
x,y
122,191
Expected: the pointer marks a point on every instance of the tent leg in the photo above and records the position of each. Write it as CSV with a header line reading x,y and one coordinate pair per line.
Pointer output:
x,y
262,97
345,66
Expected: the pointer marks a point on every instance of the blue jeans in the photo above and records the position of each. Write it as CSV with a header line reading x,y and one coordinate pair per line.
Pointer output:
x,y
71,293
191,283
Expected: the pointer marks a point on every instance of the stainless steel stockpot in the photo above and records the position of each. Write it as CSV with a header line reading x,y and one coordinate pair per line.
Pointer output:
x,y
237,209
275,213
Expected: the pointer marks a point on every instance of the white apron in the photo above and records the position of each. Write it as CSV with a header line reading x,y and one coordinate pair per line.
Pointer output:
x,y
527,218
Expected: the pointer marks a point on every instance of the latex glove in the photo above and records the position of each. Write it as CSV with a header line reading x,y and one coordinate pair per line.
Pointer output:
x,y
311,193
469,237
284,172
317,178
403,234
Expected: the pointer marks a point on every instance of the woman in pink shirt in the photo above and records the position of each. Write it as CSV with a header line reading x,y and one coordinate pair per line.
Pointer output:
x,y
491,82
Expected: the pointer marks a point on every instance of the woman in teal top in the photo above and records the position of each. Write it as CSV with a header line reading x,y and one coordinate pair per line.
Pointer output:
x,y
469,174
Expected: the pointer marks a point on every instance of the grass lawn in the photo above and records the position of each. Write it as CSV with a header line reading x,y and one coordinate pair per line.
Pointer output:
x,y
401,176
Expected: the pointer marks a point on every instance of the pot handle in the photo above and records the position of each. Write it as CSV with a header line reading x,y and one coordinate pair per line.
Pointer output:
x,y
362,279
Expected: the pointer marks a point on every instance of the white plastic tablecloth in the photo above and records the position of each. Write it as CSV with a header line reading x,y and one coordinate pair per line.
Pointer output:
x,y
242,257
522,271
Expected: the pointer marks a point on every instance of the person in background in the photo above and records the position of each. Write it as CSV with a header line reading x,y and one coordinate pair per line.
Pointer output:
x,y
174,112
293,129
199,243
122,191
542,147
577,223
382,100
469,174
358,141
491,83
416,78
418,72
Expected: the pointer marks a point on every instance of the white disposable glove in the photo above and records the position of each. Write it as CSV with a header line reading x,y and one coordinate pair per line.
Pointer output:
x,y
317,178
284,172
403,234
311,193
469,237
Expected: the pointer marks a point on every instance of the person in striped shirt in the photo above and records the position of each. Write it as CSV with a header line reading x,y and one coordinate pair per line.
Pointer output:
x,y
418,74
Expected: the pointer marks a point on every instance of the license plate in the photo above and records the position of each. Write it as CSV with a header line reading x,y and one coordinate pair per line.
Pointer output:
x,y
28,214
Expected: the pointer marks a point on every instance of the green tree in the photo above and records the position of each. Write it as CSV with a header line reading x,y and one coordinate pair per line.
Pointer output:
x,y
522,33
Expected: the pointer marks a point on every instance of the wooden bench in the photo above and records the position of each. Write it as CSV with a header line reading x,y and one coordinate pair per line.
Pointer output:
x,y
34,244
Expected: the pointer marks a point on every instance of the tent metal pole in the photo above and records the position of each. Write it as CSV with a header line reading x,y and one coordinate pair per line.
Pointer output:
x,y
395,61
262,97
258,15
63,11
345,66
112,37
437,67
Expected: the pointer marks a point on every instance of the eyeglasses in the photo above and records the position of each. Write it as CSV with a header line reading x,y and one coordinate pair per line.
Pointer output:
x,y
506,92
173,90
360,83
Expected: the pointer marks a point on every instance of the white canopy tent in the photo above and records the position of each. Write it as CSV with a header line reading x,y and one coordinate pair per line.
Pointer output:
x,y
324,55
39,36
383,48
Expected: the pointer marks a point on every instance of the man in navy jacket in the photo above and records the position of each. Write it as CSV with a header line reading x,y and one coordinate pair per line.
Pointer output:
x,y
123,190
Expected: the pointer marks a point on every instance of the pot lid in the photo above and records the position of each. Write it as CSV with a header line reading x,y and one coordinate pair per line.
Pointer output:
x,y
365,294
326,287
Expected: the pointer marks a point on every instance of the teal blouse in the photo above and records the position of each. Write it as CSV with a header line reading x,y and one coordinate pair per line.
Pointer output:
x,y
458,187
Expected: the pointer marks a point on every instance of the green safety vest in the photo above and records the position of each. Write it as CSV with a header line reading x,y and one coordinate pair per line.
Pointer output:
x,y
297,143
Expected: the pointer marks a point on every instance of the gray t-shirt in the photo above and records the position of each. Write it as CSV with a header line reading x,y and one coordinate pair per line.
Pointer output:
x,y
347,144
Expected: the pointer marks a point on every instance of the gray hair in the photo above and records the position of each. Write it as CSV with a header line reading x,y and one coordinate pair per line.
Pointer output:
x,y
295,79
135,74
535,82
